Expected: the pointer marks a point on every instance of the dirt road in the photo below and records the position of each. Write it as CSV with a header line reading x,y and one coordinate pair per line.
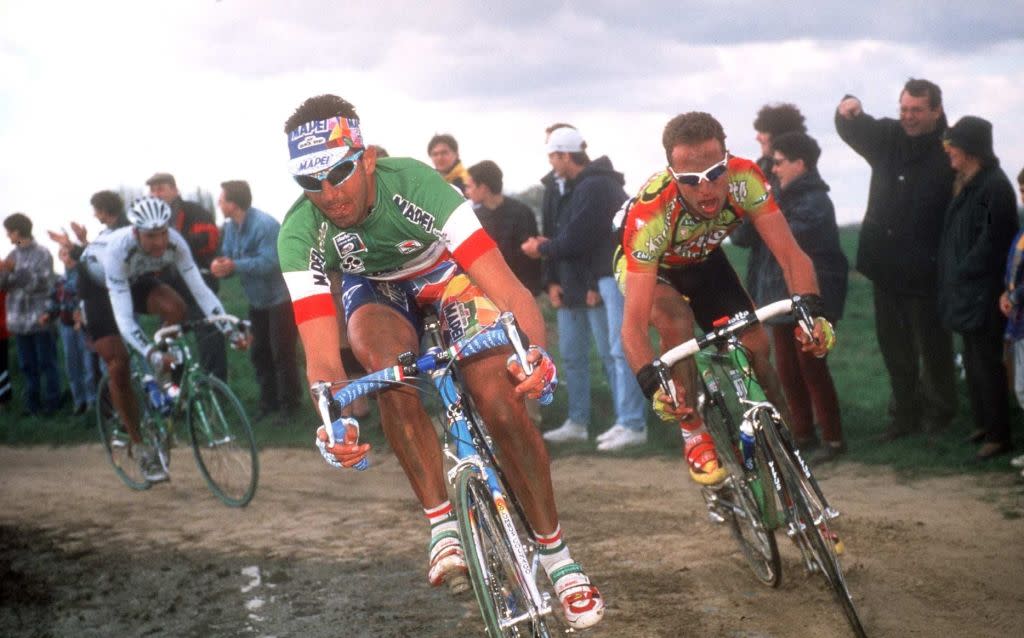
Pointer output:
x,y
324,553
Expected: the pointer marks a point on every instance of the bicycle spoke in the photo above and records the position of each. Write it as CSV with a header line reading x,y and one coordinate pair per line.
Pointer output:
x,y
809,521
223,442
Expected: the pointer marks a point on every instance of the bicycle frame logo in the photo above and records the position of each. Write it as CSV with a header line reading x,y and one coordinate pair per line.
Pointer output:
x,y
506,520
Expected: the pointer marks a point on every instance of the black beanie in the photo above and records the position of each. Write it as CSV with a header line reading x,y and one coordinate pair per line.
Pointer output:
x,y
972,135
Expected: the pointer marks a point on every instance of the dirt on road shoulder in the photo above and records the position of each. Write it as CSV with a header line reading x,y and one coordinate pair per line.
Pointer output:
x,y
326,553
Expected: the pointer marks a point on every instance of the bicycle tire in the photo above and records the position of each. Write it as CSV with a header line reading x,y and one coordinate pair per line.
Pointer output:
x,y
745,514
223,442
813,524
496,577
117,443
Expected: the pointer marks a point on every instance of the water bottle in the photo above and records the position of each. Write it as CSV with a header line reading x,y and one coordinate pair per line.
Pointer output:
x,y
747,444
156,397
171,391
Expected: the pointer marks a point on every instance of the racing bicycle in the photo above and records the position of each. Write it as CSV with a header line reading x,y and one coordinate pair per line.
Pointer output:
x,y
219,431
501,552
769,486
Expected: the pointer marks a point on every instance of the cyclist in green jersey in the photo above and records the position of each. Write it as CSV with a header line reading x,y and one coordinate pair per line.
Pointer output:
x,y
403,240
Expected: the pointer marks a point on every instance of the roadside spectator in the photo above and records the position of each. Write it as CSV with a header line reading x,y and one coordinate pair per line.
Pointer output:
x,y
249,250
772,121
980,224
507,220
911,185
803,197
27,276
1011,304
584,291
64,311
444,153
5,375
199,229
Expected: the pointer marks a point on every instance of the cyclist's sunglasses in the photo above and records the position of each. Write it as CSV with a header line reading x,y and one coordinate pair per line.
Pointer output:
x,y
335,175
710,174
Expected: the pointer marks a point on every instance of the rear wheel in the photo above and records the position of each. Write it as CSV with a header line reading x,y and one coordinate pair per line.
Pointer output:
x,y
122,453
223,442
498,579
813,524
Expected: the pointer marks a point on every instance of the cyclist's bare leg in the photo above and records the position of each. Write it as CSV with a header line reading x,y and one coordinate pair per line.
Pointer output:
x,y
757,342
165,302
378,335
114,353
524,457
673,319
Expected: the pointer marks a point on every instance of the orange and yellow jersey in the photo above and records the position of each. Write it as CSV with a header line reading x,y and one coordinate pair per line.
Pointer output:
x,y
660,231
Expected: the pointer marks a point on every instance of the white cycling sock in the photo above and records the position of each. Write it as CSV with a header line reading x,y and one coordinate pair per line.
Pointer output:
x,y
442,522
553,551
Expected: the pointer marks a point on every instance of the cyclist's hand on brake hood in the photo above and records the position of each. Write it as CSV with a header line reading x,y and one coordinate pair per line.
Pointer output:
x,y
669,410
346,451
541,383
821,340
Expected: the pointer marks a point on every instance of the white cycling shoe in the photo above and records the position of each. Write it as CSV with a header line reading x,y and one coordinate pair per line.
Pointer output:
x,y
581,601
448,563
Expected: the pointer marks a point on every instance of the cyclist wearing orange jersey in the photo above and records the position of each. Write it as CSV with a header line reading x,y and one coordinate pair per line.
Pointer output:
x,y
673,273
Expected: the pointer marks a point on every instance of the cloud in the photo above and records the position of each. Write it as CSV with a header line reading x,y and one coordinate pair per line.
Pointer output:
x,y
202,88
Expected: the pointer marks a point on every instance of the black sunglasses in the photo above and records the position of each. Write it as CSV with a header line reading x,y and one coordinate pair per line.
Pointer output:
x,y
335,176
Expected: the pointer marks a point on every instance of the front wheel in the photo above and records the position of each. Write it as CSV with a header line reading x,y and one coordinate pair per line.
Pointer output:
x,y
742,501
499,581
812,524
223,442
755,539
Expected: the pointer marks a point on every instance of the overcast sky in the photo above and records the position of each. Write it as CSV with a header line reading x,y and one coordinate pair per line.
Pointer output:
x,y
99,94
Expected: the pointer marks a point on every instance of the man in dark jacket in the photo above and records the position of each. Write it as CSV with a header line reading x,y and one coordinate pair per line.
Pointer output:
x,y
579,252
980,224
911,184
198,227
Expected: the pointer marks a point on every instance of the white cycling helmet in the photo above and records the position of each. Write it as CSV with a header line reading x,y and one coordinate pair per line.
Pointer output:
x,y
149,213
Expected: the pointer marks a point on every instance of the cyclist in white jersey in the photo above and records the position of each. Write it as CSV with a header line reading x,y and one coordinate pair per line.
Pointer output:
x,y
121,269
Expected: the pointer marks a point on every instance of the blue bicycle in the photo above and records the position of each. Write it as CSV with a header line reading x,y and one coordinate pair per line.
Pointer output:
x,y
501,552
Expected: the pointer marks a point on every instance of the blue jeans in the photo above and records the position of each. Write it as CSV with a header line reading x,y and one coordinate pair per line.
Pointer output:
x,y
78,366
629,399
37,359
575,327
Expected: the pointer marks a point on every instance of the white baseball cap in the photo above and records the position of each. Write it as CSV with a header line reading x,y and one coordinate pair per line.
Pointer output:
x,y
565,140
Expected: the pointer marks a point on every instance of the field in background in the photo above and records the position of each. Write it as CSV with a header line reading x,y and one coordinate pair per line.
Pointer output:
x,y
856,366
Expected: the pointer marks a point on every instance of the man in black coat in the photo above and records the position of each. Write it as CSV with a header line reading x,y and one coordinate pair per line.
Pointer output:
x,y
980,224
911,185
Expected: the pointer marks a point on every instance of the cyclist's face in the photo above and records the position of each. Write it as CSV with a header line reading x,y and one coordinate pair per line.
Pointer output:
x,y
708,197
153,242
349,203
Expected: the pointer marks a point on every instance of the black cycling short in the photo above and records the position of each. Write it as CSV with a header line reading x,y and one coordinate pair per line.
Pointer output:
x,y
712,287
99,314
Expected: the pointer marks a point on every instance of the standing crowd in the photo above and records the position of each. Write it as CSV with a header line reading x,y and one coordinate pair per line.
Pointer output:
x,y
374,241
